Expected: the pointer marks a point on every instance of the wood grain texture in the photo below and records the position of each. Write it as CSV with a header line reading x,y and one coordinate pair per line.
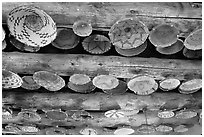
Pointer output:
x,y
102,15
120,67
68,100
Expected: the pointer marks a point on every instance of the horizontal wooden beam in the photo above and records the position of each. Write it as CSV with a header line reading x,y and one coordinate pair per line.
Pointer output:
x,y
98,101
158,9
185,16
120,67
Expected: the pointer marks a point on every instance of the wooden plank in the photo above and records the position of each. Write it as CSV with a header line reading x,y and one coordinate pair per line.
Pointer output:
x,y
120,67
103,15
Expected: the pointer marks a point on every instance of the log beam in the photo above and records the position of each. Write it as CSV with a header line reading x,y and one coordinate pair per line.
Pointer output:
x,y
120,67
98,101
162,9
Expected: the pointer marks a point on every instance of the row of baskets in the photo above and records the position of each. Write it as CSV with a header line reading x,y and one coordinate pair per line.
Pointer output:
x,y
59,119
100,44
31,31
14,129
81,83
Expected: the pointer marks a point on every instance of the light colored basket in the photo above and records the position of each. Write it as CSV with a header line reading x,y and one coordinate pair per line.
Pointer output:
x,y
31,26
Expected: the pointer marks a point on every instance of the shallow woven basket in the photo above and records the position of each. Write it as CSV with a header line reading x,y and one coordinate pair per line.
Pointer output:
x,y
31,26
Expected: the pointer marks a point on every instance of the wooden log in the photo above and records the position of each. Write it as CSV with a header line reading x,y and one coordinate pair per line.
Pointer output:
x,y
120,67
97,101
164,9
102,15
